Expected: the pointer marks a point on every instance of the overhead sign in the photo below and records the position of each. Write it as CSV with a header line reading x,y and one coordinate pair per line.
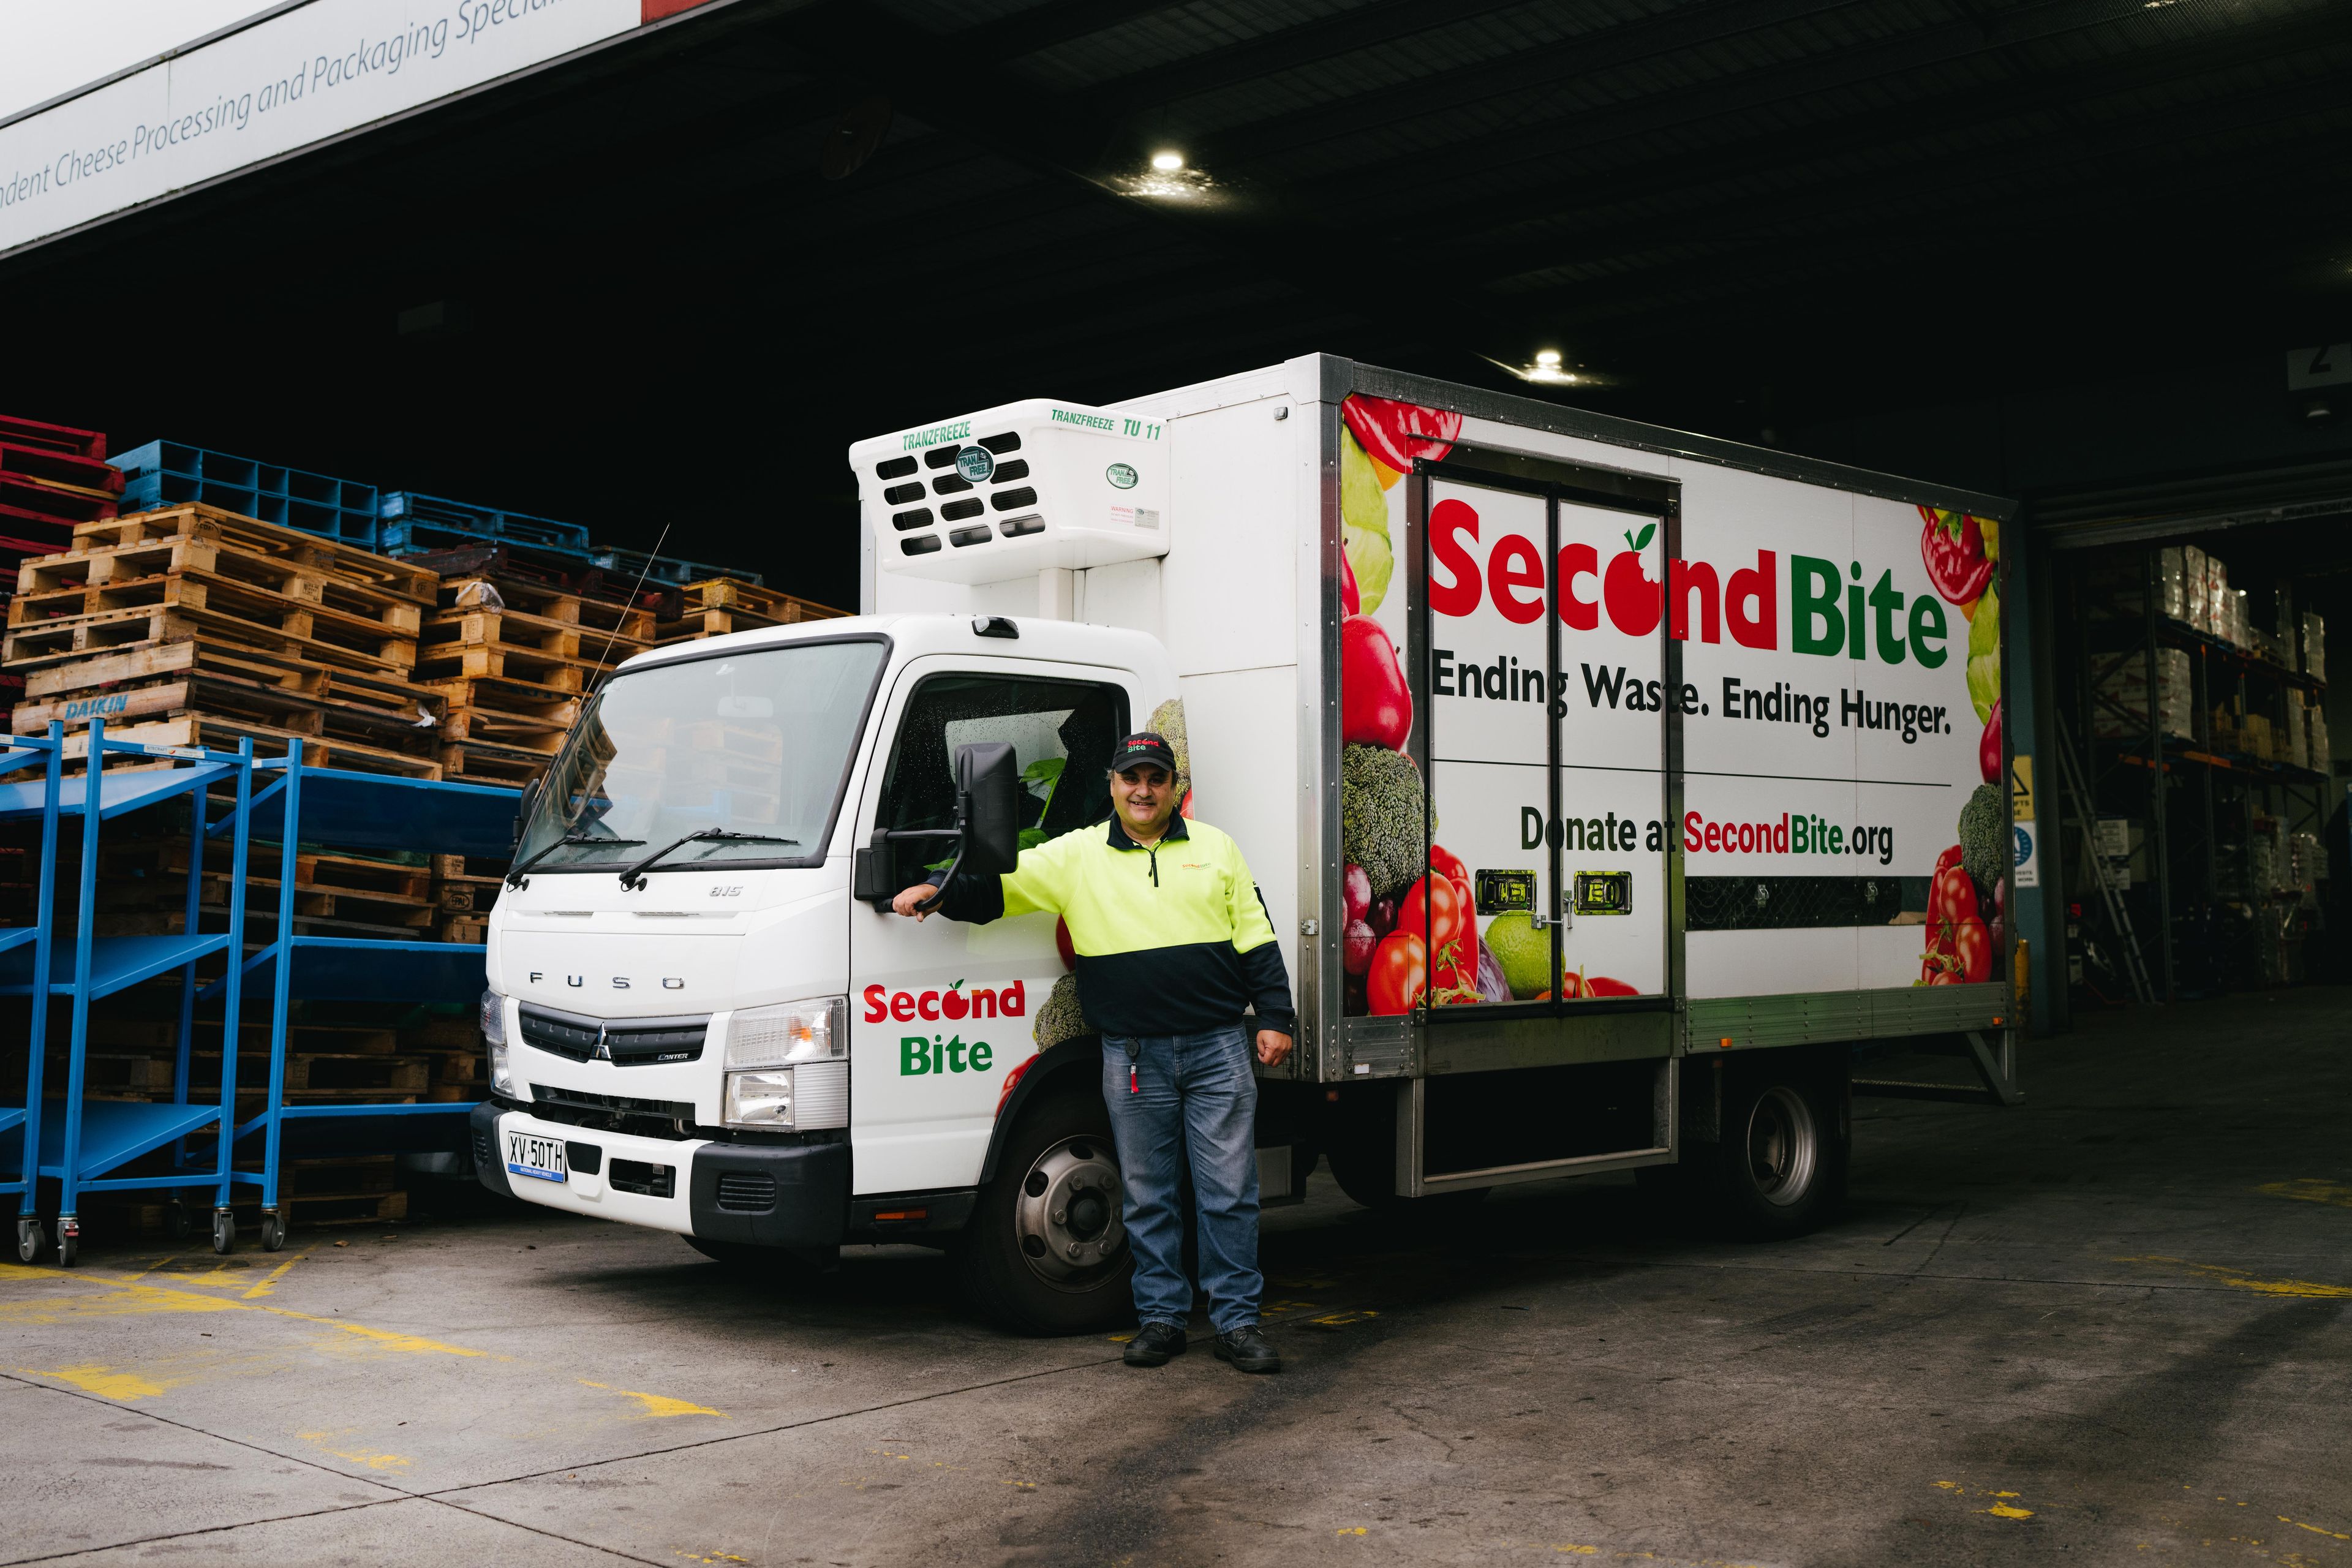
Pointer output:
x,y
298,78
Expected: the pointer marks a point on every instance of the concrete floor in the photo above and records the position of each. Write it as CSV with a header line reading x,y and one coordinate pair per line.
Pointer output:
x,y
2112,1325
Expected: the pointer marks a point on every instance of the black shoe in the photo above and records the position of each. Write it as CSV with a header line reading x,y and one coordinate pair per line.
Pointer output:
x,y
1247,1349
1154,1343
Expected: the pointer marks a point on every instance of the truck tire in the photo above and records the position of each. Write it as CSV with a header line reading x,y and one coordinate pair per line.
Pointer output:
x,y
1780,1170
1046,1252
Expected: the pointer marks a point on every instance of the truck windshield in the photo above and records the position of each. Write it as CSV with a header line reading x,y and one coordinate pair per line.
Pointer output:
x,y
758,742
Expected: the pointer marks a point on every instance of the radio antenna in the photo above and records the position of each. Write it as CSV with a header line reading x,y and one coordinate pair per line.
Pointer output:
x,y
634,587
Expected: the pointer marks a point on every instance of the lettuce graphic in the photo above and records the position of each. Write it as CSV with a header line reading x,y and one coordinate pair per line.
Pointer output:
x,y
1364,513
1984,654
1370,558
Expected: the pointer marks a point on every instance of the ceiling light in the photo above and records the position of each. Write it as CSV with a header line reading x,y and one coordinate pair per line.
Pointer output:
x,y
1168,162
1548,368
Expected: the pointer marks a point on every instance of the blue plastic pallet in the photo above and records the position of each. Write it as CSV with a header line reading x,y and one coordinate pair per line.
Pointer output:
x,y
168,473
665,568
487,522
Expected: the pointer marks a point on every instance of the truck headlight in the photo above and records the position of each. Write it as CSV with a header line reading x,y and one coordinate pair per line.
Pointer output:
x,y
788,1065
811,1031
759,1099
494,1033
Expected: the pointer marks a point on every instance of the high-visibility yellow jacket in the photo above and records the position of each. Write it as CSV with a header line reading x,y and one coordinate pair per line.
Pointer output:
x,y
1171,940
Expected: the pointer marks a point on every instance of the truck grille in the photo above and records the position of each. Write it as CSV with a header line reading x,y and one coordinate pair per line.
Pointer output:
x,y
628,1042
615,1104
746,1192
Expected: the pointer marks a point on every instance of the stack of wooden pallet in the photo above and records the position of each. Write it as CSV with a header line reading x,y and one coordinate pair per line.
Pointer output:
x,y
717,606
464,889
518,639
193,626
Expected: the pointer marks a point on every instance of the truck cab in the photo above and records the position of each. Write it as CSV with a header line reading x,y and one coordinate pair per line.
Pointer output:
x,y
722,1040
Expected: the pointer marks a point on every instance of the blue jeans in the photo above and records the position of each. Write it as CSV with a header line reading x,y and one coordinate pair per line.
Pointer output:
x,y
1192,1095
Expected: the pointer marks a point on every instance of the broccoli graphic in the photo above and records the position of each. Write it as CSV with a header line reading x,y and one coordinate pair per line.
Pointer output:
x,y
1059,1019
1168,722
1984,836
1382,821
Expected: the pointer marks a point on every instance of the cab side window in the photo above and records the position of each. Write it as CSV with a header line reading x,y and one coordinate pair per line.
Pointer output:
x,y
1062,732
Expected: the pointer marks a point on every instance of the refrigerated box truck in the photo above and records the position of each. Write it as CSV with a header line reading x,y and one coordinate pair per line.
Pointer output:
x,y
1610,789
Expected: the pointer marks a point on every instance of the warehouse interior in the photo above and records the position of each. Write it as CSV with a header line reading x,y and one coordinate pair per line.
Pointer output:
x,y
630,307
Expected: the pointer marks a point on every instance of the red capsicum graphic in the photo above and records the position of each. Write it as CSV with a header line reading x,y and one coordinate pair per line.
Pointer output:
x,y
1393,434
1952,544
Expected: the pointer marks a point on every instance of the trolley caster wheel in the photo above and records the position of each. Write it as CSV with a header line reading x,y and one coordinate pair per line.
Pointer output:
x,y
273,1231
30,1242
178,1223
69,1241
223,1231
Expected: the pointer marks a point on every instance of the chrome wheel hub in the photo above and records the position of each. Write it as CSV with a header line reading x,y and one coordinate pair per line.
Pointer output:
x,y
1067,1218
1784,1144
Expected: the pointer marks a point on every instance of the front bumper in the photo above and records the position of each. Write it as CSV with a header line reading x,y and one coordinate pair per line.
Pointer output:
x,y
795,1196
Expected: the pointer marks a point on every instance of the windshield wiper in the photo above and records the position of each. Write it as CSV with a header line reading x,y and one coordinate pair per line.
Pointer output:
x,y
635,876
516,878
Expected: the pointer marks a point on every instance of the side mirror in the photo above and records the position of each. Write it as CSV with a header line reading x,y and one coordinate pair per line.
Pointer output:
x,y
989,797
524,807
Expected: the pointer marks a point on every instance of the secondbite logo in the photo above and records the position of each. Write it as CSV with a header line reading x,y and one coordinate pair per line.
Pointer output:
x,y
953,1004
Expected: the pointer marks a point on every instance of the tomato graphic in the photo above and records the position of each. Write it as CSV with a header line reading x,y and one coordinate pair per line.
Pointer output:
x,y
1375,709
1350,601
1062,940
1438,899
1399,975
1448,864
1951,857
1972,945
1952,896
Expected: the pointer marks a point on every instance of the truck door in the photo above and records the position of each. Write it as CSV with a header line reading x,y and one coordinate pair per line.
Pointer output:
x,y
1547,731
941,1012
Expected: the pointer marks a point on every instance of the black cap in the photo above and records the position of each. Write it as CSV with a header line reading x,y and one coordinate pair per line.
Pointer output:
x,y
1143,747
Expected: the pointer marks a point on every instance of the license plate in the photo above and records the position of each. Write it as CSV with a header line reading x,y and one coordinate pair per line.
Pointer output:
x,y
540,1157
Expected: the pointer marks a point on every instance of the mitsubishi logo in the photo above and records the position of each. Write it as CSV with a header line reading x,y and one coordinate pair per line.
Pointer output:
x,y
604,1046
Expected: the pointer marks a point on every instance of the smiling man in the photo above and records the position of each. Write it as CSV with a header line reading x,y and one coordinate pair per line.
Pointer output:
x,y
1174,948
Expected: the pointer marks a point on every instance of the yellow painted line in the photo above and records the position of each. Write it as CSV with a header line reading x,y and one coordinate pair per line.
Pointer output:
x,y
658,1406
269,1283
1352,1530
125,1298
102,1381
2310,1190
1342,1319
2333,1534
2306,1289
2003,1511
367,1457
383,1339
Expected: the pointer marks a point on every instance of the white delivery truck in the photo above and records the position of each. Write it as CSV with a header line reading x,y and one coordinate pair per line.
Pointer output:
x,y
1614,789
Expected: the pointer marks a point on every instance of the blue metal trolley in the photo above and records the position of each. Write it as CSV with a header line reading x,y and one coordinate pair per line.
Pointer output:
x,y
75,1141
358,811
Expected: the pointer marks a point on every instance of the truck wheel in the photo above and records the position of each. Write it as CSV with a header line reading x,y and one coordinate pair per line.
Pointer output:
x,y
1046,1252
1780,1170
